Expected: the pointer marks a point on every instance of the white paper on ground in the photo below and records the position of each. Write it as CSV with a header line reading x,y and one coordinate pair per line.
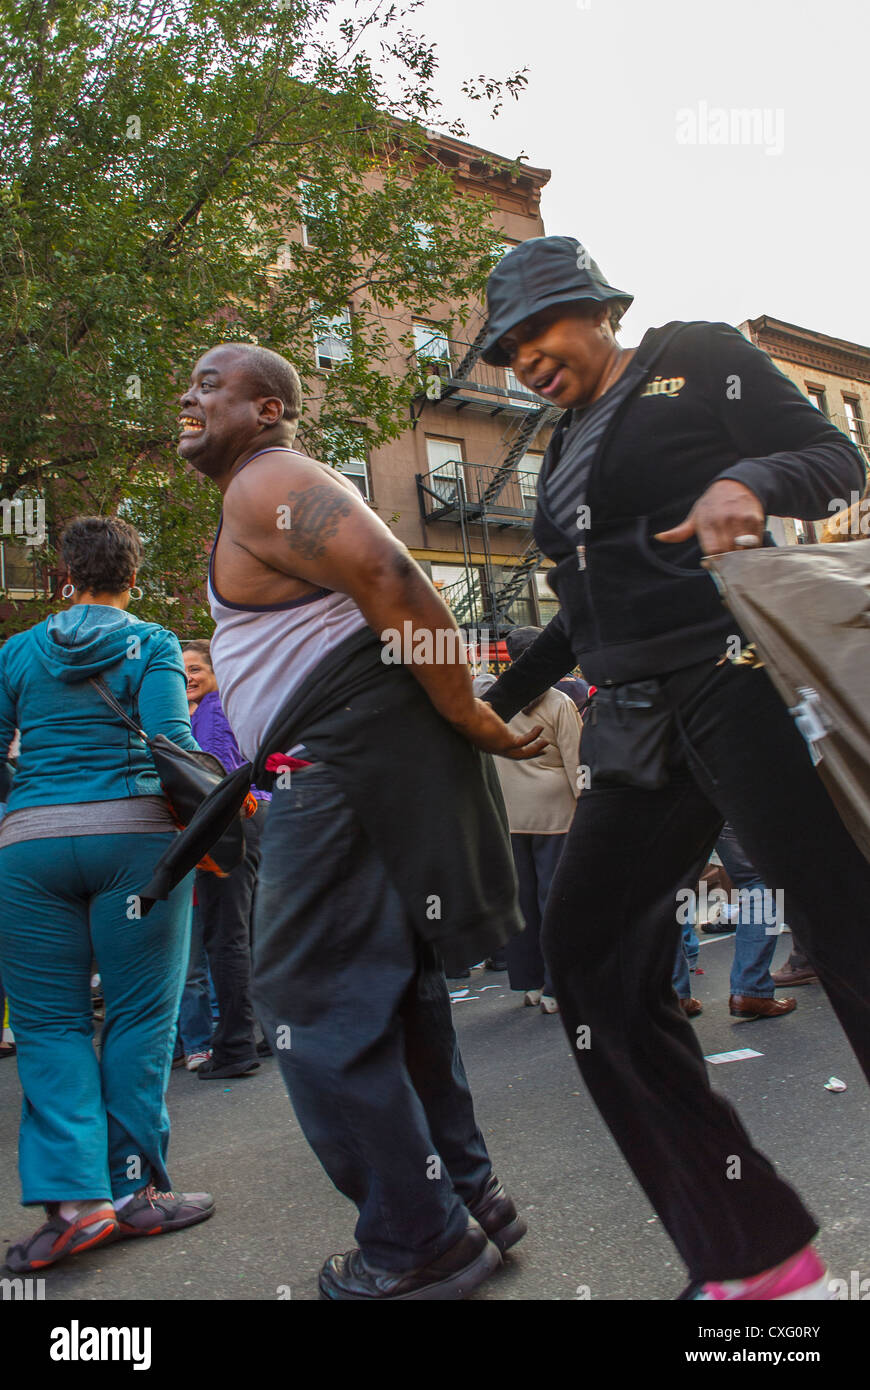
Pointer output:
x,y
740,1055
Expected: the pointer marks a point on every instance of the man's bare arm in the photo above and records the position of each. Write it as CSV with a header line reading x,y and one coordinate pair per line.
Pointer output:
x,y
293,517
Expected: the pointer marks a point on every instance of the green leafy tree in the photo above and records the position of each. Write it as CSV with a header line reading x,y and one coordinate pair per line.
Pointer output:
x,y
160,160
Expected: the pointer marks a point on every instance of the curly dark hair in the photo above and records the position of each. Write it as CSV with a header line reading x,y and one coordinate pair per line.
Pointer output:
x,y
101,553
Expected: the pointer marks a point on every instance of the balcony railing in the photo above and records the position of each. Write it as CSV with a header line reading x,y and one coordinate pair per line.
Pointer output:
x,y
496,387
458,489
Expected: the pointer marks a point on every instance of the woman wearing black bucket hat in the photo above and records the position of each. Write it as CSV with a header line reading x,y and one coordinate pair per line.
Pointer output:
x,y
678,448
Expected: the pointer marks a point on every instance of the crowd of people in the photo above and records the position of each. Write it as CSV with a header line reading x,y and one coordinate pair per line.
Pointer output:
x,y
567,853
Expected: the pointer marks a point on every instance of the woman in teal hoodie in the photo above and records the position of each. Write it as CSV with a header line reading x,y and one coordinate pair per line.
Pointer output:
x,y
86,822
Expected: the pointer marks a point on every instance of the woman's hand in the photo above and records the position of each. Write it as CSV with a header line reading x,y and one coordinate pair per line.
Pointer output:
x,y
725,511
487,731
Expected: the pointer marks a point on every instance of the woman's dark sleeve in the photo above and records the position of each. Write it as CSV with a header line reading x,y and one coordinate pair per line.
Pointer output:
x,y
795,461
544,663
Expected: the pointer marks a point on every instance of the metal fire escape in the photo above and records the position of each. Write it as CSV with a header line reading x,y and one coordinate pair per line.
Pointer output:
x,y
485,496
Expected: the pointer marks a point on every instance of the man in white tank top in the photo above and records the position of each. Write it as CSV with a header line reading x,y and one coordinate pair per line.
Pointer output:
x,y
372,1066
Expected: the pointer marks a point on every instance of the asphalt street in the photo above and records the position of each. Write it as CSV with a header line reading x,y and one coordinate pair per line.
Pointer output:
x,y
590,1226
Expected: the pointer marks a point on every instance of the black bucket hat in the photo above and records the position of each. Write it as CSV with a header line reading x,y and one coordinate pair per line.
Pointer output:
x,y
535,275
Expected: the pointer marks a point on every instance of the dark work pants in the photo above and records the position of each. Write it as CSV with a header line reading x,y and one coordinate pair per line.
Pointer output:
x,y
611,931
226,911
357,1011
536,858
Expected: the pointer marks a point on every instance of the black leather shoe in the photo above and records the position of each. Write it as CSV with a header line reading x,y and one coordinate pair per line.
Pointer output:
x,y
222,1071
496,1213
452,1276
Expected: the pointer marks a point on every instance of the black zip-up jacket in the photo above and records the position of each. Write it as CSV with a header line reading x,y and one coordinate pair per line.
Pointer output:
x,y
709,406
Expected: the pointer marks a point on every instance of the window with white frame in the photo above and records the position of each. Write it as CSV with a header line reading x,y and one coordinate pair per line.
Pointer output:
x,y
817,398
446,475
515,385
431,345
854,422
528,469
423,233
18,570
332,339
318,206
548,604
357,470
454,581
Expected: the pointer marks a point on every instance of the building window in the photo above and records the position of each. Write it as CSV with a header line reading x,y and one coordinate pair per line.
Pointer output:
x,y
432,346
446,474
460,589
357,470
18,570
528,469
854,422
318,206
817,398
332,339
548,604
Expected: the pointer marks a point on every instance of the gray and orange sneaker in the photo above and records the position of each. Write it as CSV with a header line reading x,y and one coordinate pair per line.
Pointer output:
x,y
153,1213
58,1237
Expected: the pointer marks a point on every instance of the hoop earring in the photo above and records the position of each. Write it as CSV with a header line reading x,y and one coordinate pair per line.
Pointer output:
x,y
68,590
136,593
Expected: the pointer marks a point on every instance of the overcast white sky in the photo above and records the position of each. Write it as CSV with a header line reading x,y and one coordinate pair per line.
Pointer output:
x,y
722,231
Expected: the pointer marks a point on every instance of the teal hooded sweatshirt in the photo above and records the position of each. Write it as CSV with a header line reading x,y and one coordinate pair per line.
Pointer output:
x,y
73,747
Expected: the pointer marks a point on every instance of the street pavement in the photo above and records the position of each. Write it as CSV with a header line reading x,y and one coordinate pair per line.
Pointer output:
x,y
591,1231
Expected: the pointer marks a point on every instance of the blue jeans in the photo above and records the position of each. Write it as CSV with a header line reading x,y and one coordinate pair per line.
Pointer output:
x,y
357,1011
194,1016
754,945
536,858
687,956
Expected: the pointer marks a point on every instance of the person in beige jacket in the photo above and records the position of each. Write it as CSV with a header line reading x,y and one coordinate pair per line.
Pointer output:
x,y
540,795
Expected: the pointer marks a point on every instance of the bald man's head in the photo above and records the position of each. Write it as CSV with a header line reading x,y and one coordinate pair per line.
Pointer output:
x,y
240,396
270,374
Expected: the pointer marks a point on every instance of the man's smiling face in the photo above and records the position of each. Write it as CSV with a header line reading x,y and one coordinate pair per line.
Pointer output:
x,y
560,353
221,413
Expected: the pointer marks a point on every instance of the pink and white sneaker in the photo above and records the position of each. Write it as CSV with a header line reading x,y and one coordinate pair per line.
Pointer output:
x,y
803,1277
196,1059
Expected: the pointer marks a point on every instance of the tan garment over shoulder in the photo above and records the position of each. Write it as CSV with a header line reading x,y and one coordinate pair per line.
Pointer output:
x,y
540,794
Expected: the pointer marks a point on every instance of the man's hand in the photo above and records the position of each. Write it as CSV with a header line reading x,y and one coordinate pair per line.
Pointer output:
x,y
726,510
487,731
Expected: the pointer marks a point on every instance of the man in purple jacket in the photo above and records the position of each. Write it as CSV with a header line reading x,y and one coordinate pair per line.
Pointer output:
x,y
226,904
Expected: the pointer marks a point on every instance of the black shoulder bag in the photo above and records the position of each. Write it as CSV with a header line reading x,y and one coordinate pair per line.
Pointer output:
x,y
186,779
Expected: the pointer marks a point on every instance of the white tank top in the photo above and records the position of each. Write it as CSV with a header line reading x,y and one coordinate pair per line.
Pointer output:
x,y
261,653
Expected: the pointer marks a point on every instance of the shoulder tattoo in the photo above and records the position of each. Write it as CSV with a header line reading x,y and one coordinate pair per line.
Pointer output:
x,y
314,518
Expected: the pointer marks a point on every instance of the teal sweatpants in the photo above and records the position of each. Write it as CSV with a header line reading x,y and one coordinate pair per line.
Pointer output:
x,y
92,1127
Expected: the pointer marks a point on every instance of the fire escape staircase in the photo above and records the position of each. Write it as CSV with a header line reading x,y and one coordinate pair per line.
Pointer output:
x,y
464,596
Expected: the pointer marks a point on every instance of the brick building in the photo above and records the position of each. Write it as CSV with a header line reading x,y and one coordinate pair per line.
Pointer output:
x,y
833,374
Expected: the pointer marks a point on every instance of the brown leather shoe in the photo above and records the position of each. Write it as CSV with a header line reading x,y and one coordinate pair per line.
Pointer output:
x,y
747,1006
791,975
691,1007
